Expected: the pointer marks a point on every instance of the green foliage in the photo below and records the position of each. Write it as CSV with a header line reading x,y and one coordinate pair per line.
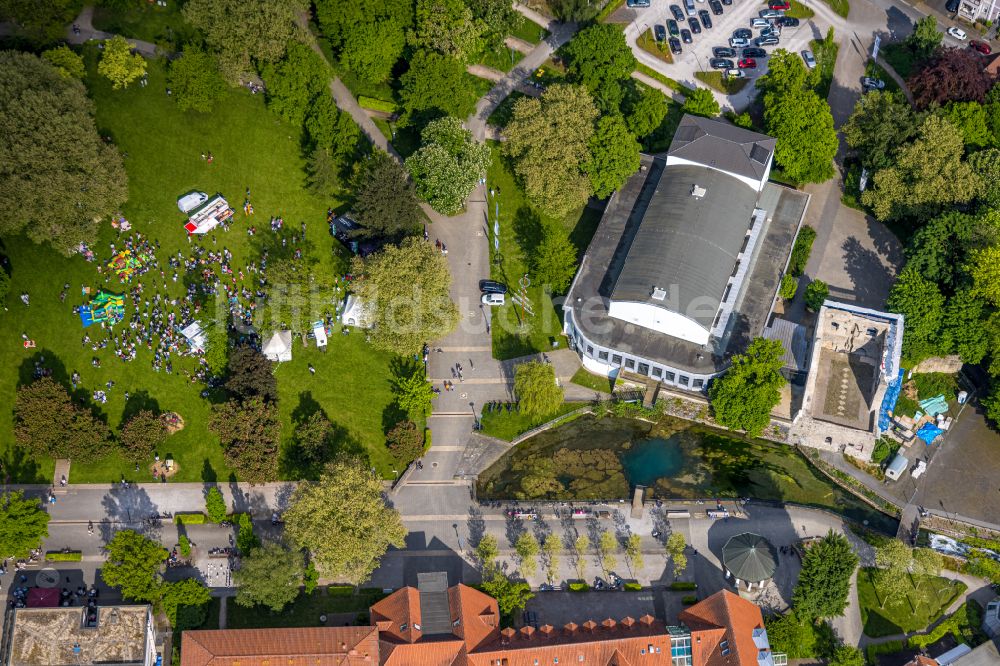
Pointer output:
x,y
527,550
23,525
248,432
792,635
133,565
579,587
448,165
422,88
192,518
938,248
64,556
816,293
65,59
683,585
984,269
930,384
884,449
195,81
487,551
873,650
964,625
922,304
269,576
689,599
511,595
185,603
987,163
293,82
310,579
142,435
614,155
847,655
925,38
414,393
902,602
246,540
49,132
880,124
633,587
48,423
216,347
789,285
385,203
536,389
215,505
675,549
376,104
825,578
970,119
406,442
644,110
600,59
701,102
803,126
251,374
446,26
184,546
43,21
801,251
118,64
497,19
553,261
743,397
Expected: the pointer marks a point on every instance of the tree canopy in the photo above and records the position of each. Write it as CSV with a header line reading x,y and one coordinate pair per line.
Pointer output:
x,y
802,124
294,81
368,35
251,374
248,431
880,124
614,155
65,59
385,203
142,435
435,85
185,603
446,26
921,303
118,64
58,179
23,525
925,38
448,165
644,109
745,395
952,75
48,423
701,102
599,59
825,579
133,565
553,260
498,19
269,576
343,521
195,81
536,389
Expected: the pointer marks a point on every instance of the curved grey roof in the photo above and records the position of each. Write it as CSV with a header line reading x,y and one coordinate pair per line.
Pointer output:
x,y
749,557
688,245
722,146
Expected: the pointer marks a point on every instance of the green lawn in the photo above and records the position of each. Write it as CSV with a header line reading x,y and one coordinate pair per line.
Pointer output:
x,y
502,59
516,333
921,606
508,425
588,380
530,32
799,11
164,26
648,43
724,84
840,7
303,612
252,148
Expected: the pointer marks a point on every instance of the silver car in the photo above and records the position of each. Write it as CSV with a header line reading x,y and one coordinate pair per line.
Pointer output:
x,y
810,59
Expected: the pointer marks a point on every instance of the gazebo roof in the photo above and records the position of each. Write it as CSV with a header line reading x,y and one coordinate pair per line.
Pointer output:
x,y
749,557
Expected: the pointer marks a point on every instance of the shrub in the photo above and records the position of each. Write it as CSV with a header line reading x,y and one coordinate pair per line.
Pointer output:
x,y
376,104
801,250
889,647
310,579
884,449
689,599
816,293
683,585
184,545
63,556
215,505
789,285
633,587
194,518
340,590
579,587
930,384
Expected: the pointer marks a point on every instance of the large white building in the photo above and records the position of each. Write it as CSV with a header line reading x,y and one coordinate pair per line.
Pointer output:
x,y
684,267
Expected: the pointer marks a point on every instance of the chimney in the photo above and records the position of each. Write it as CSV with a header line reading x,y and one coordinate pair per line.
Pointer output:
x,y
628,622
546,630
527,631
609,624
506,635
589,626
570,629
646,620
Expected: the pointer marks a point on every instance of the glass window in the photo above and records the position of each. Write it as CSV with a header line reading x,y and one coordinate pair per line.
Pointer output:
x,y
685,380
669,376
630,363
698,383
616,359
590,350
644,368
602,355
657,372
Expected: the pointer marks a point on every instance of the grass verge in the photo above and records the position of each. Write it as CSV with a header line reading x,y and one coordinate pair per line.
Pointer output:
x,y
665,80
501,59
724,84
595,382
508,425
925,599
840,7
303,612
530,31
799,11
660,50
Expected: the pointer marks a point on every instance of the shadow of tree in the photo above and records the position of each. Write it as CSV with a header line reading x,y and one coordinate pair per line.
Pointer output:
x,y
528,229
138,401
476,526
18,467
129,508
296,462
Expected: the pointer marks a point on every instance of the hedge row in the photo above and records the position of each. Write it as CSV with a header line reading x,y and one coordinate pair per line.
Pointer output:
x,y
689,599
633,587
190,518
801,250
683,585
62,556
376,104
578,587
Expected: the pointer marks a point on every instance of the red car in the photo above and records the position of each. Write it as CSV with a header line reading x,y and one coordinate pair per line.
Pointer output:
x,y
747,63
779,4
982,47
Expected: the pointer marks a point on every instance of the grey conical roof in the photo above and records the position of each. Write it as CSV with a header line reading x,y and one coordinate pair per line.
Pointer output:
x,y
749,557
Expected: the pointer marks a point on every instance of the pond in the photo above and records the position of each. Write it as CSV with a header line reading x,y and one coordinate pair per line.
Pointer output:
x,y
592,458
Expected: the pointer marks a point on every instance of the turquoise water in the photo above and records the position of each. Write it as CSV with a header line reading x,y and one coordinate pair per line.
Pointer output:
x,y
652,459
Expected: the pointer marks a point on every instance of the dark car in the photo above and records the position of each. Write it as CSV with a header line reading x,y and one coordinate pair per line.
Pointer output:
x,y
766,41
742,33
672,28
660,33
727,3
686,36
675,46
787,21
747,63
951,6
677,12
716,7
706,18
720,63
982,47
694,25
723,52
637,3
753,52
492,287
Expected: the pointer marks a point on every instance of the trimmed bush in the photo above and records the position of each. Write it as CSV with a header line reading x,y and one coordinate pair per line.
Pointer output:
x,y
184,545
789,285
801,250
633,587
63,556
376,104
683,585
427,439
340,590
195,518
579,587
816,293
689,599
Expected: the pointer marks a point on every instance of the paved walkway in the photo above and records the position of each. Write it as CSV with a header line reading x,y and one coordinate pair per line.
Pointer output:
x,y
662,87
84,22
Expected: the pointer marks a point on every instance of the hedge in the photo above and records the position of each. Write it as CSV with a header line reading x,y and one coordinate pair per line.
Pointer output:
x,y
190,518
376,104
340,590
682,585
427,439
578,587
689,599
633,587
889,647
64,556
801,250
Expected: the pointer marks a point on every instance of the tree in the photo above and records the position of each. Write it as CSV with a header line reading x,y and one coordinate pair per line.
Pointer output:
x,y
987,164
215,505
970,119
414,393
385,203
927,562
580,547
310,579
536,389
551,548
244,32
786,73
446,26
448,165
614,155
607,544
847,655
294,81
880,124
133,565
952,75
251,375
142,435
633,551
185,603
825,578
372,49
48,423
742,398
406,291
816,292
313,444
675,550
59,178
922,305
548,140
939,247
701,102
44,21
925,38
527,552
405,442
644,110
802,124
343,521
893,559
195,81
269,576
497,19
993,112
323,173
433,86
791,634
553,261
487,551
928,175
248,431
246,540
599,58
579,11
966,328
789,285
64,59
981,564
511,595
985,272
118,64
216,347
23,525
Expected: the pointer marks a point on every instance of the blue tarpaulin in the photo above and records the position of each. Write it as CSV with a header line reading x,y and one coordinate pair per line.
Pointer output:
x,y
929,432
934,406
889,401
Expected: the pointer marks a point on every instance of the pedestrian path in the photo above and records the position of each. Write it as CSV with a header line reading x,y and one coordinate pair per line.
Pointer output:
x,y
85,32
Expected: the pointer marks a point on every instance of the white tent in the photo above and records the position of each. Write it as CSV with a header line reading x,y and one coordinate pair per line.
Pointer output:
x,y
355,313
279,347
319,330
195,337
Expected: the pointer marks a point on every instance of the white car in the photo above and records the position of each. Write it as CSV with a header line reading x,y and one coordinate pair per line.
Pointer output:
x,y
810,59
735,74
493,299
957,33
189,202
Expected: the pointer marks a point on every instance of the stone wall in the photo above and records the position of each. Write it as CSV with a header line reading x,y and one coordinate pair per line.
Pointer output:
x,y
948,364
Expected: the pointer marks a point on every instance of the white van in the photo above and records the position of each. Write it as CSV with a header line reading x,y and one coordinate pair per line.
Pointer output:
x,y
491,298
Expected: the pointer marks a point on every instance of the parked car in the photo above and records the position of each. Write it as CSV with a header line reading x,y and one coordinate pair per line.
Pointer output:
x,y
957,33
809,58
735,74
783,5
952,6
492,287
672,28
982,47
871,83
686,36
675,46
756,22
706,18
753,52
677,12
689,7
737,42
766,41
727,3
787,21
723,52
770,13
743,33
659,33
747,63
637,3
694,25
770,31
715,6
720,63
493,299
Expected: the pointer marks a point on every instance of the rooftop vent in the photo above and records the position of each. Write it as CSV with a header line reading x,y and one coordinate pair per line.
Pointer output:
x,y
659,293
698,192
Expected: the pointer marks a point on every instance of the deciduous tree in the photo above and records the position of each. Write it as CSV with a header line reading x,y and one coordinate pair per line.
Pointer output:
x,y
607,544
816,292
343,521
599,59
614,155
248,431
448,165
414,393
142,435
498,19
195,81
984,268
880,124
446,26
744,397
133,566
65,59
405,442
970,119
806,140
825,579
215,505
925,38
511,595
921,303
633,551
791,634
313,444
527,549
986,163
967,330
118,64
938,248
536,389
893,560
952,75
251,374
269,576
487,551
644,110
185,603
551,547
580,547
48,423
675,549
294,81
23,525
847,655
433,86
385,203
553,261
701,102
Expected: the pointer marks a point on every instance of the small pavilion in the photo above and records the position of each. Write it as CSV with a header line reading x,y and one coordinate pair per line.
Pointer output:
x,y
749,559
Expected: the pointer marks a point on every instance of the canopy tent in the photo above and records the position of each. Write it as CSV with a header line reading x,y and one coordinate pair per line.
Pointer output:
x,y
126,263
211,214
195,336
319,330
105,307
279,346
749,558
43,597
355,313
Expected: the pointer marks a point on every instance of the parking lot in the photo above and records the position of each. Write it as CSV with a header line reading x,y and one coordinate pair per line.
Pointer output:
x,y
697,55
